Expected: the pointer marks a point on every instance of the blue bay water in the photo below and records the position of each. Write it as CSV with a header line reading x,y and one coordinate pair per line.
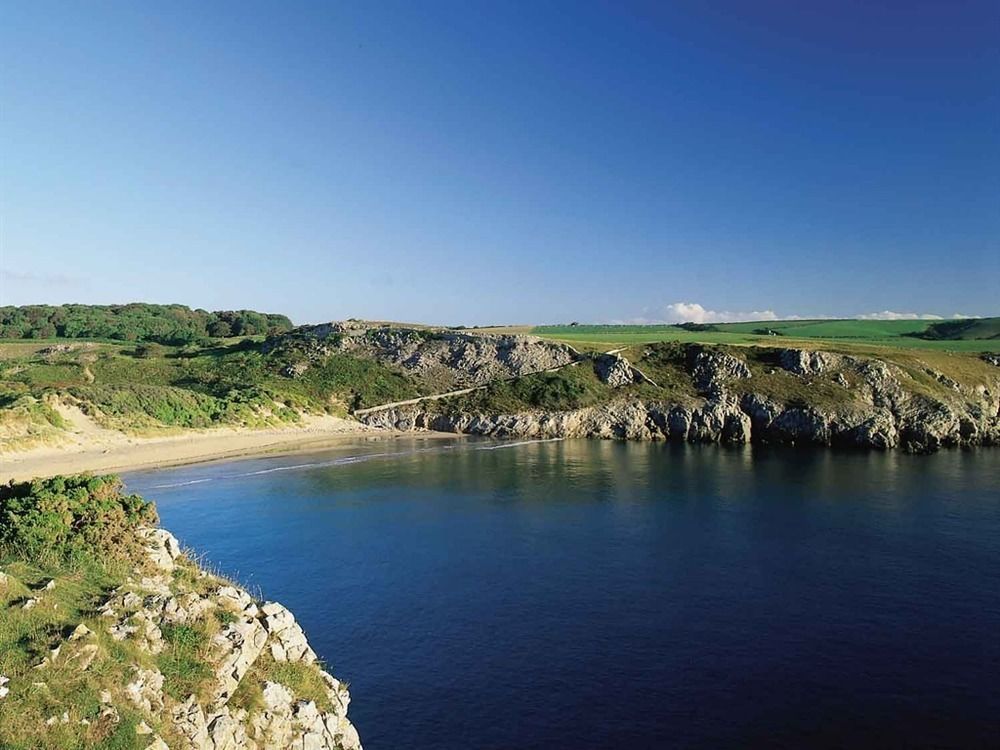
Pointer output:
x,y
595,594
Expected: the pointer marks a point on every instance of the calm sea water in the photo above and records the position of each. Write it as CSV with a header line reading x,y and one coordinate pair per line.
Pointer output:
x,y
593,594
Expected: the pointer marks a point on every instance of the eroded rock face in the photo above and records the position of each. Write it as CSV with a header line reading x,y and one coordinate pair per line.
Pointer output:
x,y
237,648
722,418
806,362
461,359
614,370
712,369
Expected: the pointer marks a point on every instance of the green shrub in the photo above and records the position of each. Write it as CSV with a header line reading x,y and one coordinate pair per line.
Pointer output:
x,y
72,517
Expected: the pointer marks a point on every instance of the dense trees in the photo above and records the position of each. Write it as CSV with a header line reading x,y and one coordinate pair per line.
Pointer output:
x,y
164,324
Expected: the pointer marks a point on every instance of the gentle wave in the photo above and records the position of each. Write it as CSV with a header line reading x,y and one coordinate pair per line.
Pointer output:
x,y
514,445
179,484
347,460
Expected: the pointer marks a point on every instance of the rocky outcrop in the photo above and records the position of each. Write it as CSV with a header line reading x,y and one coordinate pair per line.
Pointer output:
x,y
614,370
452,357
713,369
178,594
879,406
806,362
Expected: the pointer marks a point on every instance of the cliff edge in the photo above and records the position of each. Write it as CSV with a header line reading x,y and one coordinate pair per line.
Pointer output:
x,y
111,636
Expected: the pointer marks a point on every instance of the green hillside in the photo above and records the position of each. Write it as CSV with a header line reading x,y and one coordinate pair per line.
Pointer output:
x,y
965,330
968,335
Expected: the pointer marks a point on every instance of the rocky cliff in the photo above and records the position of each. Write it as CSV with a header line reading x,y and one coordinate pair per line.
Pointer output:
x,y
787,396
203,665
443,359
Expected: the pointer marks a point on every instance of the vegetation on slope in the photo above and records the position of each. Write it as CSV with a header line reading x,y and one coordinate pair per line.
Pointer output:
x,y
569,388
125,388
165,324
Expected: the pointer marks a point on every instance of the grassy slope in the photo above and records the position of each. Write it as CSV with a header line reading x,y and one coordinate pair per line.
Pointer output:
x,y
231,384
809,333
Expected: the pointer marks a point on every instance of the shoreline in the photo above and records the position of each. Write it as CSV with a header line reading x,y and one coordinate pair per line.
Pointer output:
x,y
128,453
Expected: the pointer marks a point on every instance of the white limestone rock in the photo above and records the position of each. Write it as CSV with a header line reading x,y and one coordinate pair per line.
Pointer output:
x,y
146,690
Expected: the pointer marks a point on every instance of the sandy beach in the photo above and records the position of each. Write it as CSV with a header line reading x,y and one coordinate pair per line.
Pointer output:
x,y
89,447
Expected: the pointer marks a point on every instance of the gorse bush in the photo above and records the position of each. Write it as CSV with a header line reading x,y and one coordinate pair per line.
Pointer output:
x,y
568,388
71,518
149,405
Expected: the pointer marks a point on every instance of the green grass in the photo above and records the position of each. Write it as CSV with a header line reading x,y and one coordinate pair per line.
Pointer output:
x,y
184,660
25,639
301,678
864,333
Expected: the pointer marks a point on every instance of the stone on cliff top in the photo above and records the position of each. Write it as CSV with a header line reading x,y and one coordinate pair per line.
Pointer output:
x,y
80,631
614,370
85,657
146,690
713,368
803,362
162,546
277,698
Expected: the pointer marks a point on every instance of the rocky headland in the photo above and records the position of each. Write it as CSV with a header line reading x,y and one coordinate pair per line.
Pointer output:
x,y
777,396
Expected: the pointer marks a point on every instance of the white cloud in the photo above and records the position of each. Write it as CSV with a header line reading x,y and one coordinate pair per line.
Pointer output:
x,y
692,312
890,315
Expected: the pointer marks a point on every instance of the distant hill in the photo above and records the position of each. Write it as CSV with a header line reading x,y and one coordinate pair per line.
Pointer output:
x,y
139,322
965,330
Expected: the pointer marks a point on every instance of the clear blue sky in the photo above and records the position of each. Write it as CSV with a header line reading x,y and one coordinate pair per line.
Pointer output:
x,y
503,161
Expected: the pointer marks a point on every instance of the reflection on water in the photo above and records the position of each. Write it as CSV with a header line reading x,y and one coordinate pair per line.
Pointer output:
x,y
584,593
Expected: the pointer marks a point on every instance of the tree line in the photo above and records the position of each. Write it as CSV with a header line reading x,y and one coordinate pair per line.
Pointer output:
x,y
140,322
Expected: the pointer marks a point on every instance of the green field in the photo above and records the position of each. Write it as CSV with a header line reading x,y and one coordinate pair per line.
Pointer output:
x,y
982,335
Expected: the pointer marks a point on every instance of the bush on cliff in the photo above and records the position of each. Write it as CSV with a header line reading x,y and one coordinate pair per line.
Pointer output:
x,y
69,518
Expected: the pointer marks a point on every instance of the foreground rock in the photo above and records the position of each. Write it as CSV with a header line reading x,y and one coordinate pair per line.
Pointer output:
x,y
173,596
